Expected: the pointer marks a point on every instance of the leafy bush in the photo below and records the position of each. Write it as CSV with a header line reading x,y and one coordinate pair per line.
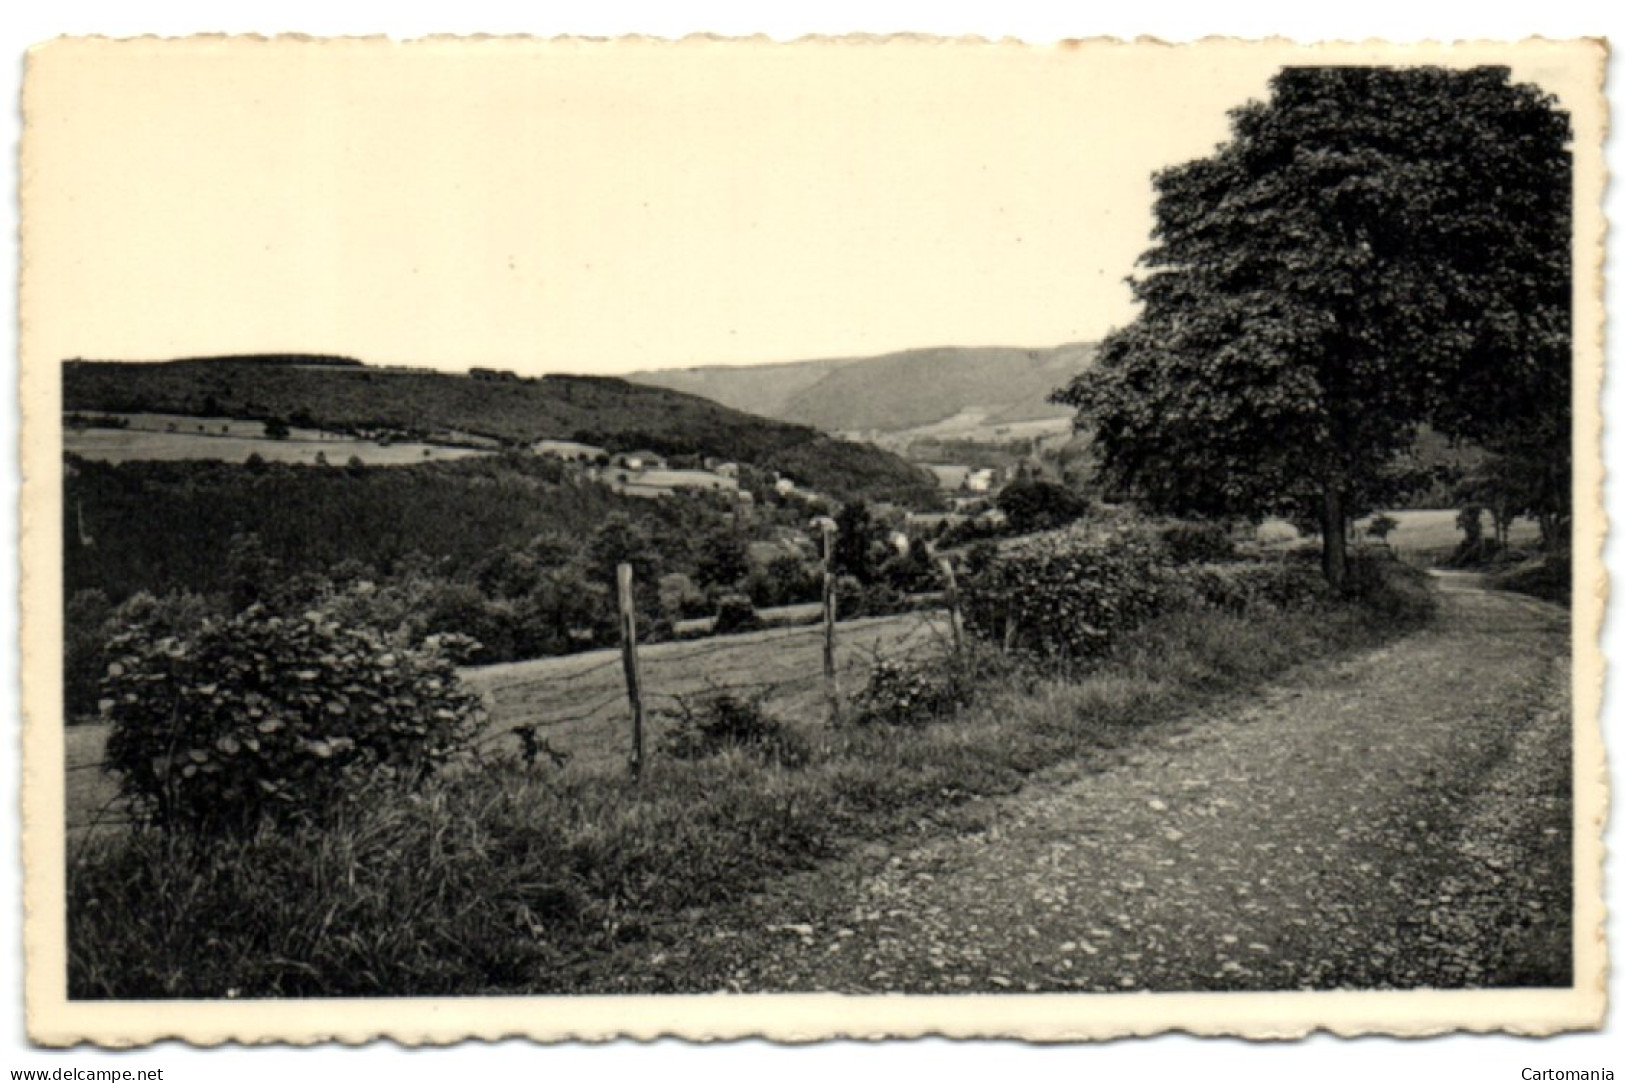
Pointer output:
x,y
1034,504
680,599
90,624
915,693
722,721
1066,595
911,572
973,532
1237,588
722,560
1474,548
855,599
736,614
1192,543
1399,595
265,718
787,580
1382,525
851,599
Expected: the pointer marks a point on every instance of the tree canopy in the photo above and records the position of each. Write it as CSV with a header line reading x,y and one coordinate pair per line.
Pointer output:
x,y
1035,504
1373,249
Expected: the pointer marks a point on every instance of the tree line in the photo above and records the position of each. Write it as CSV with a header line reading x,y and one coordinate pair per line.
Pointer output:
x,y
516,552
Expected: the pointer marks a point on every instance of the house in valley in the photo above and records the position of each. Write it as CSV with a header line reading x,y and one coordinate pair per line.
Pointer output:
x,y
637,461
568,450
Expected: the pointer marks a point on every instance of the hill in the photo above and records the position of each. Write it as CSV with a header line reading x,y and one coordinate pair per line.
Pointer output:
x,y
767,390
893,392
612,413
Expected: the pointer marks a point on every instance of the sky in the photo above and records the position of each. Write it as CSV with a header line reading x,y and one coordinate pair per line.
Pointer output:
x,y
601,207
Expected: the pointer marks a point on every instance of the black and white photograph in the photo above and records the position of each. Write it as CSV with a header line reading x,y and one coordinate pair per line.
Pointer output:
x,y
865,537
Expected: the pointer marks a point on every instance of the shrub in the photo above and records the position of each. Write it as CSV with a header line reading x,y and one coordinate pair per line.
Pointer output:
x,y
1239,587
1548,577
736,614
722,560
264,718
460,609
680,599
84,659
980,556
909,692
1034,504
722,721
851,599
786,580
1382,525
1192,543
1474,548
1065,595
911,572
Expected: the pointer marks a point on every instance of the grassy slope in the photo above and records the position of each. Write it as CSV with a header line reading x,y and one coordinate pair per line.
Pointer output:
x,y
610,412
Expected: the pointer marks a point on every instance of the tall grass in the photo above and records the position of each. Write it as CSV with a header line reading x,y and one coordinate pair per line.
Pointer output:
x,y
523,880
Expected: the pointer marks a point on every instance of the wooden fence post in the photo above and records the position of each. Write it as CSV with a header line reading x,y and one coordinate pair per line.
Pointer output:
x,y
629,661
955,622
832,680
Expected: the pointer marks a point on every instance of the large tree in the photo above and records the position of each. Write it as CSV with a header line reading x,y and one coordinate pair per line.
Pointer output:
x,y
1374,248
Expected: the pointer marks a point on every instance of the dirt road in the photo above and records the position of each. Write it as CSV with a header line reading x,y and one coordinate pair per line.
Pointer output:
x,y
1398,819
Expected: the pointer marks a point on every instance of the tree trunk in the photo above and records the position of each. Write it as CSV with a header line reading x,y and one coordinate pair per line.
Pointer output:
x,y
1333,552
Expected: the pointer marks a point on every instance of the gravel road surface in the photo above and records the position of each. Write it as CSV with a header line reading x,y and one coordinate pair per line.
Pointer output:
x,y
1400,818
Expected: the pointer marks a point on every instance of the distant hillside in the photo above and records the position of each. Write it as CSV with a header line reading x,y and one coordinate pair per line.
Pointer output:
x,y
893,392
612,413
767,390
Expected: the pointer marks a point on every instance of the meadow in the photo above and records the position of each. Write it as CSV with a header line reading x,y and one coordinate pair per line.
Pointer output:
x,y
516,878
578,702
1432,532
173,438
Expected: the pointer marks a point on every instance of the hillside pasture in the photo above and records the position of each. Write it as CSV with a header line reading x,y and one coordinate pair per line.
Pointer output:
x,y
1424,532
578,702
226,440
602,411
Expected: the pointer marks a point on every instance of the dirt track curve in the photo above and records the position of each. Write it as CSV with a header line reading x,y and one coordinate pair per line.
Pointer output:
x,y
1397,819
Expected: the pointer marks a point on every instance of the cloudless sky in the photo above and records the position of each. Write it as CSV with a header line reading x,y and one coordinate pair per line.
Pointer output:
x,y
600,207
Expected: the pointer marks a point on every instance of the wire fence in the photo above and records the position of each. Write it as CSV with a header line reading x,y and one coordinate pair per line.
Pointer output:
x,y
582,707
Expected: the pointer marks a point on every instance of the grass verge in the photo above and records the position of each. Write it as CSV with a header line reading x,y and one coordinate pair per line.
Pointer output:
x,y
523,880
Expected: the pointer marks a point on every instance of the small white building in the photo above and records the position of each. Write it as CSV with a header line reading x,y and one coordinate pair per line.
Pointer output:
x,y
568,450
638,460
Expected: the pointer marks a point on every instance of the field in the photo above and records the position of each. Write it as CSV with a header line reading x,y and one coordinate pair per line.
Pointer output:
x,y
1434,531
578,702
167,438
